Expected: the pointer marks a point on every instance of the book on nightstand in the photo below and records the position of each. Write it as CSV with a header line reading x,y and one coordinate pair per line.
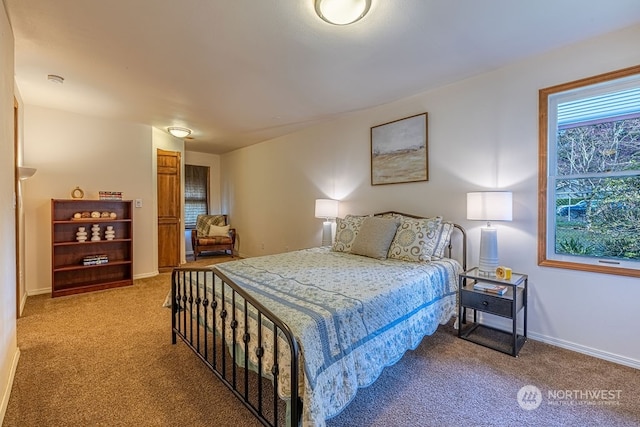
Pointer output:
x,y
491,288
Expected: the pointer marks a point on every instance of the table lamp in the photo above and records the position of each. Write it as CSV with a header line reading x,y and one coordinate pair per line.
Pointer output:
x,y
327,209
489,206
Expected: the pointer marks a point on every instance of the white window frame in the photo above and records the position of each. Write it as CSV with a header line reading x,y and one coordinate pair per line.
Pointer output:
x,y
549,99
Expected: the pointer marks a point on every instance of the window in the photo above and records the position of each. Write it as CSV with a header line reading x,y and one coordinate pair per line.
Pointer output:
x,y
589,210
196,193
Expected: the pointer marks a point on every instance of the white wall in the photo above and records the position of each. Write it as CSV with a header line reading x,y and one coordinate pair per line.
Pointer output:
x,y
72,150
213,162
9,352
482,135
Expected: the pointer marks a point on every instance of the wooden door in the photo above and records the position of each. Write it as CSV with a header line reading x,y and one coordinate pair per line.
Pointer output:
x,y
169,210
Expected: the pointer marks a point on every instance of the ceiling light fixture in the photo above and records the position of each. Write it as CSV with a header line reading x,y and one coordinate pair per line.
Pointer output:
x,y
53,78
179,132
342,12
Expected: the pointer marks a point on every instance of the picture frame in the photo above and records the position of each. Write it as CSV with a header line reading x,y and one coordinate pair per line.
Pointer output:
x,y
399,151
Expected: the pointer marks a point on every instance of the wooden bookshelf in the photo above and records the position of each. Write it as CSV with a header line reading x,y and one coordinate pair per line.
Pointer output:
x,y
69,275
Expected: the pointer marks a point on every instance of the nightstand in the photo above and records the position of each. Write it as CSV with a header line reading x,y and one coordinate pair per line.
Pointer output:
x,y
508,305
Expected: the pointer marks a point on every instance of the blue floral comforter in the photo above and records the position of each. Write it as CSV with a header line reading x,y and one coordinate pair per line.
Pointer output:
x,y
352,315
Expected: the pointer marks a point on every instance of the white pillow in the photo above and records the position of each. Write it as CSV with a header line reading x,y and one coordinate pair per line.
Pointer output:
x,y
215,230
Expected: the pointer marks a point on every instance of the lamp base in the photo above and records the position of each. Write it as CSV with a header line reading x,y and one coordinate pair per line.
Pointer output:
x,y
488,251
326,233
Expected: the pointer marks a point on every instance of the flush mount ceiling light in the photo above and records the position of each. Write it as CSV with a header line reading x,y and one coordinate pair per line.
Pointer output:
x,y
53,78
342,12
179,132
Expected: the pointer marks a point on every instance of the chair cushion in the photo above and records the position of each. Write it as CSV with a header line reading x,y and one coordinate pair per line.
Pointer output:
x,y
214,240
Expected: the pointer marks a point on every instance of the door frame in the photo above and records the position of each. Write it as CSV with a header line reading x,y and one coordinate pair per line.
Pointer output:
x,y
17,201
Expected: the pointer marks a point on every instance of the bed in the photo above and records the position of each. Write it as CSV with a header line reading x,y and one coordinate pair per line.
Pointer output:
x,y
295,335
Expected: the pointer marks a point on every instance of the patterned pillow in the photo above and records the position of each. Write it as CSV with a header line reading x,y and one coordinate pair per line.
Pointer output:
x,y
442,239
204,221
346,232
374,237
416,239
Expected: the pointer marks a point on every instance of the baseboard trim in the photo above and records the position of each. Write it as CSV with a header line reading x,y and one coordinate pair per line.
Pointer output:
x,y
39,291
589,351
146,275
505,325
7,391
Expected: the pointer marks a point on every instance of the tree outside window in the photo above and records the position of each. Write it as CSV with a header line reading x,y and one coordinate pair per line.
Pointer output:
x,y
590,174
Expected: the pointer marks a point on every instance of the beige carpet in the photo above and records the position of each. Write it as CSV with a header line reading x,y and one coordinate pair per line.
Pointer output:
x,y
106,359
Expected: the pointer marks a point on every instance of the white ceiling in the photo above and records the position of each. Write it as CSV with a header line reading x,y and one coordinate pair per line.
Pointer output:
x,y
239,72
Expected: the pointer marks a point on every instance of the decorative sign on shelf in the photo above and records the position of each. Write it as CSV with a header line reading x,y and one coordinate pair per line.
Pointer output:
x,y
110,195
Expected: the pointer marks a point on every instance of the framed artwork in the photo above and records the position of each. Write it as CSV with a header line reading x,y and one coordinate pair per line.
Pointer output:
x,y
399,151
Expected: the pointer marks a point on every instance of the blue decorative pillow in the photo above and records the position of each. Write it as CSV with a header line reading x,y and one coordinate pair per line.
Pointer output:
x,y
416,239
346,231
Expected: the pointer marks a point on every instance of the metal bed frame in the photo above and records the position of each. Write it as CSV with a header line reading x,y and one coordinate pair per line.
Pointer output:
x,y
229,361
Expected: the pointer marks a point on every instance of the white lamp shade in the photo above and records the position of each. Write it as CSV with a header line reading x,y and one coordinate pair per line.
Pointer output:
x,y
326,208
490,206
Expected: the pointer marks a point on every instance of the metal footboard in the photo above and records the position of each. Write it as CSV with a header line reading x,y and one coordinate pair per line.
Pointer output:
x,y
214,321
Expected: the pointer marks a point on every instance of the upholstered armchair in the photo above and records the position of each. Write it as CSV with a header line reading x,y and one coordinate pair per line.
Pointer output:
x,y
212,233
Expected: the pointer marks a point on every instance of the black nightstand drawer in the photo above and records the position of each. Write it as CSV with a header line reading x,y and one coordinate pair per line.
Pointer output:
x,y
485,302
